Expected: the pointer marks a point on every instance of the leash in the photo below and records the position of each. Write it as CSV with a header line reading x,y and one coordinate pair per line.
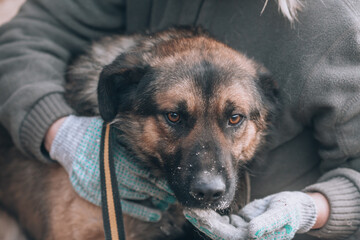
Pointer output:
x,y
110,198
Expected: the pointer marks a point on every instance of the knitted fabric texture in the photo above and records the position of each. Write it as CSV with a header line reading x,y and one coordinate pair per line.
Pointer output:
x,y
218,227
336,186
77,148
280,216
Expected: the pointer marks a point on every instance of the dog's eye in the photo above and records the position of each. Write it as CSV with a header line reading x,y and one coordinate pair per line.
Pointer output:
x,y
235,119
173,117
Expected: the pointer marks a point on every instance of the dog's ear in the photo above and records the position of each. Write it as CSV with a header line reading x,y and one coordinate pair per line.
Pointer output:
x,y
271,95
268,85
117,88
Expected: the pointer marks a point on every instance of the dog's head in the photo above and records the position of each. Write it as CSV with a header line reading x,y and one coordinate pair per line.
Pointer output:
x,y
193,109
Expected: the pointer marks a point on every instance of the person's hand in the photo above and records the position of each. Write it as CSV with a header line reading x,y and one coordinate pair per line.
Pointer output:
x,y
76,147
280,216
218,227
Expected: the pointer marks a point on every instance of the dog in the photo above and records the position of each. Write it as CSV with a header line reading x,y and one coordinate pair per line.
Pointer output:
x,y
193,110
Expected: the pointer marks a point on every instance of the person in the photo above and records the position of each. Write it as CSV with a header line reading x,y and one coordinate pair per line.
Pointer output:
x,y
307,182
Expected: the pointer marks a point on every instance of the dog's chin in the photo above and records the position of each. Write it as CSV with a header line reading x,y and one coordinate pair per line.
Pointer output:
x,y
189,202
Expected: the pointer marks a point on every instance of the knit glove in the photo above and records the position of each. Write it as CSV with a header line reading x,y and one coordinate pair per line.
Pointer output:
x,y
218,227
77,146
280,216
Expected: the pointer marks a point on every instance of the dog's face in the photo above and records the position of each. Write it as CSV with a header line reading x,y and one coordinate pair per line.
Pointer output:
x,y
193,110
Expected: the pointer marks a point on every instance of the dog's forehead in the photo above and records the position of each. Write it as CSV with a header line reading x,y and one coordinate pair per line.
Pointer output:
x,y
204,85
200,71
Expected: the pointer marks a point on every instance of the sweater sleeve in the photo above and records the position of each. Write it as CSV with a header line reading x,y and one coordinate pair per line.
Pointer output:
x,y
331,106
36,47
341,188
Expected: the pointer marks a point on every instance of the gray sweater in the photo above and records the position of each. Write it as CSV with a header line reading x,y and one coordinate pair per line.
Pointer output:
x,y
316,62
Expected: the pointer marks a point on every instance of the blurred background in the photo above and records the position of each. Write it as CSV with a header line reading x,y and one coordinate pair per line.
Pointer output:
x,y
8,228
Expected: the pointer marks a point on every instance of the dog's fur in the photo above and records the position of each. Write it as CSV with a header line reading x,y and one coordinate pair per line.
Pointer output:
x,y
145,80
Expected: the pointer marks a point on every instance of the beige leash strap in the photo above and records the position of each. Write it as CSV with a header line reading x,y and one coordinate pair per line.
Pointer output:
x,y
110,198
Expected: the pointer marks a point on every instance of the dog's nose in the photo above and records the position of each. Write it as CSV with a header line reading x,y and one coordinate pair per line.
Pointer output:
x,y
208,188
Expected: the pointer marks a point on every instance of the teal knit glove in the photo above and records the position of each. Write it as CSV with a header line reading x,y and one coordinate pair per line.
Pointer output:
x,y
218,227
280,216
76,147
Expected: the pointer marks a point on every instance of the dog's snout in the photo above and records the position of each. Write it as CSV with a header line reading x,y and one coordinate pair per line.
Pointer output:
x,y
208,188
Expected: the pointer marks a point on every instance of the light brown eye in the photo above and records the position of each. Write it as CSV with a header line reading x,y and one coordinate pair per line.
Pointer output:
x,y
235,119
173,117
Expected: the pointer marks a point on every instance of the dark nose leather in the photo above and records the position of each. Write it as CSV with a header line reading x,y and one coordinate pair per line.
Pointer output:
x,y
208,188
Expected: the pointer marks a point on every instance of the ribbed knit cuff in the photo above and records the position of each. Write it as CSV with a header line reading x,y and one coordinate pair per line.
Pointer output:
x,y
344,198
35,125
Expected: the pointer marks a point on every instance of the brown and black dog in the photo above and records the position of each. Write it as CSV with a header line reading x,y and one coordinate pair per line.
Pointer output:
x,y
192,109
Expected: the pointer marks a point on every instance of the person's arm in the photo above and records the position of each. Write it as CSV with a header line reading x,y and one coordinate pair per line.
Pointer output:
x,y
323,209
340,187
331,105
51,133
36,47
